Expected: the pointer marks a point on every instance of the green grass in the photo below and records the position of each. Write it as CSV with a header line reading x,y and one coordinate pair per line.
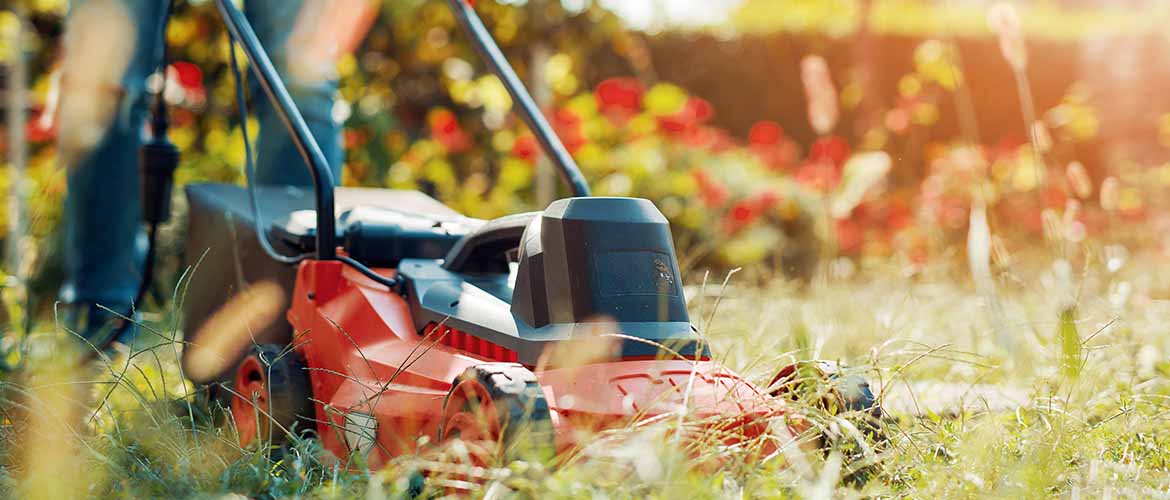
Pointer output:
x,y
1071,402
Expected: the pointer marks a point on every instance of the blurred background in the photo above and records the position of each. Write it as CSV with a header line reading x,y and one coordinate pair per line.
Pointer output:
x,y
778,136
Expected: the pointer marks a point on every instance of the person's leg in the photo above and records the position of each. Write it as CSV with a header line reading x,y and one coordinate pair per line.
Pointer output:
x,y
278,161
110,49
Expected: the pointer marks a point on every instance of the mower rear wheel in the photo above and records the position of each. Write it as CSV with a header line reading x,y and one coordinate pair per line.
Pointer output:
x,y
499,411
270,395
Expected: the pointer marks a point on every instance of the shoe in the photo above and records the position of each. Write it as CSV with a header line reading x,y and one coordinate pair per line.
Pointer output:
x,y
96,328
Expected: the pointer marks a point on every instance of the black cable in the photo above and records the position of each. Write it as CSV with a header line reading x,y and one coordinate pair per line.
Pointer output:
x,y
250,165
159,123
393,284
147,268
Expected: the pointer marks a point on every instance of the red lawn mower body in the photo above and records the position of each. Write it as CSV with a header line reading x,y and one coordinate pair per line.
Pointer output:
x,y
381,366
367,357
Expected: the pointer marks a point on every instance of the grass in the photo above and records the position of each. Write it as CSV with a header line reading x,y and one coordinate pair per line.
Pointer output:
x,y
1072,403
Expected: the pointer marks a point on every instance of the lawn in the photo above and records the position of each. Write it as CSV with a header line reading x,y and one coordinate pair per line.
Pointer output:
x,y
980,400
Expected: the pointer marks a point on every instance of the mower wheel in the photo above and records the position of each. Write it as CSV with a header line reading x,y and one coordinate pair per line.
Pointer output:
x,y
836,388
499,411
841,394
270,395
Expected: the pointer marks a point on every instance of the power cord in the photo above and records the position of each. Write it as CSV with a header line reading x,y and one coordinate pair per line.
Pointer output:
x,y
393,284
250,165
158,159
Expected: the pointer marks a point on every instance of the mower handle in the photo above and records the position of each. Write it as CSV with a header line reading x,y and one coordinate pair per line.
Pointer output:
x,y
290,116
310,151
486,46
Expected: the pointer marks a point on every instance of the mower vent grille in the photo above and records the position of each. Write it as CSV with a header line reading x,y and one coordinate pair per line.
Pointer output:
x,y
463,341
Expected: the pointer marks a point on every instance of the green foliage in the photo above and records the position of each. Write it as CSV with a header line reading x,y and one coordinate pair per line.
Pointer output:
x,y
421,113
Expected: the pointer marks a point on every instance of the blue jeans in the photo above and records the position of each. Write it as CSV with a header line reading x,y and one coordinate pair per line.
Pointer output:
x,y
103,243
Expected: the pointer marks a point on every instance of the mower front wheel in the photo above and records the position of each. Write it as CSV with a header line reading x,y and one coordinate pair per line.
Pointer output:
x,y
833,388
499,411
270,395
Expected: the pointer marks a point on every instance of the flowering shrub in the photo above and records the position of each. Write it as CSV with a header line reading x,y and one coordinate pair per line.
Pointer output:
x,y
633,141
420,116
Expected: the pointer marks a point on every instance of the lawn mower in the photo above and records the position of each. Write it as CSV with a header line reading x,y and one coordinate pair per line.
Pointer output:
x,y
409,324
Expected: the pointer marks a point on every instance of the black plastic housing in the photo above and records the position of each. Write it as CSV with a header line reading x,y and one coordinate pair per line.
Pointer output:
x,y
587,267
591,258
383,226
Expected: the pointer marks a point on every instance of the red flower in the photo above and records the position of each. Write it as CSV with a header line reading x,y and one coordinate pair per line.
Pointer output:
x,y
700,137
765,199
862,213
769,143
749,210
619,98
354,138
700,109
765,133
674,125
850,236
686,122
1055,197
833,149
1005,148
446,130
187,75
720,140
779,157
567,125
40,128
740,216
573,141
918,252
566,118
898,216
951,211
525,147
712,192
743,212
819,175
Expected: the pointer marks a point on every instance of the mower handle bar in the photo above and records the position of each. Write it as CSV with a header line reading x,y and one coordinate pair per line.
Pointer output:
x,y
491,54
286,109
273,87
